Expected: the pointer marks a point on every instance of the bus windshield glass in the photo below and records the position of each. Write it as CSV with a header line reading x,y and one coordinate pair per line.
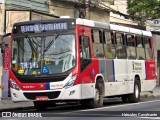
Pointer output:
x,y
42,55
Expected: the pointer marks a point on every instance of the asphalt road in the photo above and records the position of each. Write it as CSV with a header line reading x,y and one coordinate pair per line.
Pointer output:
x,y
145,110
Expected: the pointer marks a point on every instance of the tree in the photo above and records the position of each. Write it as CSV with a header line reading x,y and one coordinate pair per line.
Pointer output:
x,y
140,10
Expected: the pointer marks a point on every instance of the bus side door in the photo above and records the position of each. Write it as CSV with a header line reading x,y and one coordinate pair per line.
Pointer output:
x,y
86,75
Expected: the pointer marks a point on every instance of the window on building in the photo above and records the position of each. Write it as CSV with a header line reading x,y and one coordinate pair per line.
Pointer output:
x,y
131,51
140,48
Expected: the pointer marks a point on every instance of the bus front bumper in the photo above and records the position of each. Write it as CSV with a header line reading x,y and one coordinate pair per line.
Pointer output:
x,y
72,93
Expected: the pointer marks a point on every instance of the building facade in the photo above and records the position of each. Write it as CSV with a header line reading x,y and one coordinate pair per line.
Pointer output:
x,y
121,6
79,8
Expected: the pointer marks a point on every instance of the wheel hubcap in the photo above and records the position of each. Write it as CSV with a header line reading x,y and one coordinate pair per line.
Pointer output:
x,y
96,95
136,91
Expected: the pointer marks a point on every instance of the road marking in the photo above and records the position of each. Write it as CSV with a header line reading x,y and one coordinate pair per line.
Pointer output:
x,y
153,118
120,105
113,106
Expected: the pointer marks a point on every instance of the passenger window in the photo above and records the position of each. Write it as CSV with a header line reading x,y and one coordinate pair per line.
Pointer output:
x,y
140,48
85,54
148,48
109,46
131,51
84,47
121,51
96,36
97,44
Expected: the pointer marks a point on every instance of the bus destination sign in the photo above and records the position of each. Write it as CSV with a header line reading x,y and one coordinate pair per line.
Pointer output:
x,y
43,27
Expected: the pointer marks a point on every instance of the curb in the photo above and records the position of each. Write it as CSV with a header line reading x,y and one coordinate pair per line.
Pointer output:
x,y
149,95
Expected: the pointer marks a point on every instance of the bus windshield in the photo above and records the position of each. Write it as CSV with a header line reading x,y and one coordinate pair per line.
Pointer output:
x,y
41,55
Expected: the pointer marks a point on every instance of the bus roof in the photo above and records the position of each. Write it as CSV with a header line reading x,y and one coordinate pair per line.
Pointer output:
x,y
113,27
135,31
119,28
146,33
92,23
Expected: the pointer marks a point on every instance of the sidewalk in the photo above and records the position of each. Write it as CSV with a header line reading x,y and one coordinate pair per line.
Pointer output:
x,y
154,93
6,105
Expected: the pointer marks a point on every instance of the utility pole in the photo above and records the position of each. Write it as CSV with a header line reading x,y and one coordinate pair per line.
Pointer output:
x,y
83,8
4,20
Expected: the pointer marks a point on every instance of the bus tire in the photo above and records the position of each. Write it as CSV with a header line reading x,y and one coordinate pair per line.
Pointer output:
x,y
135,97
97,101
40,105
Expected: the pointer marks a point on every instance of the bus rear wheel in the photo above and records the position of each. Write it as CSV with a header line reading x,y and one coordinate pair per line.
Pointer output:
x,y
135,97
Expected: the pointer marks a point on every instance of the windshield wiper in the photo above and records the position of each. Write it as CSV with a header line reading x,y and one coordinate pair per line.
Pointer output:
x,y
35,43
31,44
50,43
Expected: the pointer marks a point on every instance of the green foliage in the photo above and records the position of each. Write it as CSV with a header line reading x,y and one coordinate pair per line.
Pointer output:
x,y
143,9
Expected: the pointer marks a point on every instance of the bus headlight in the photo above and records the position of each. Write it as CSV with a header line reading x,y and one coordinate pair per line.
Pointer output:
x,y
71,82
14,85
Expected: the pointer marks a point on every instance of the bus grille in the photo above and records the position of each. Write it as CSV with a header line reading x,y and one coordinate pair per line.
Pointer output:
x,y
51,95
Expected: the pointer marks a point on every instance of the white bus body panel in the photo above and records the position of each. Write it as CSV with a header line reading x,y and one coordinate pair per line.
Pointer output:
x,y
147,33
119,28
125,72
148,85
135,31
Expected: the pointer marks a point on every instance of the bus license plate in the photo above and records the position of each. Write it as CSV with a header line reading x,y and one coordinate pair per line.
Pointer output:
x,y
41,98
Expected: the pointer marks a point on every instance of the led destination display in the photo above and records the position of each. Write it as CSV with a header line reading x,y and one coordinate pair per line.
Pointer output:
x,y
31,27
44,27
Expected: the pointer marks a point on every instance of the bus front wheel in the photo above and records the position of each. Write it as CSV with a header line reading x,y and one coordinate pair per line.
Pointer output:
x,y
97,101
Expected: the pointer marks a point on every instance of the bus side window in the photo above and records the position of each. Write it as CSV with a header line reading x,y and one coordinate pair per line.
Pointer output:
x,y
131,51
148,48
85,53
85,47
120,46
112,38
140,48
98,44
109,47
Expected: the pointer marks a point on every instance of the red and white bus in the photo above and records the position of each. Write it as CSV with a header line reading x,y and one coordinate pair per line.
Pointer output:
x,y
79,60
